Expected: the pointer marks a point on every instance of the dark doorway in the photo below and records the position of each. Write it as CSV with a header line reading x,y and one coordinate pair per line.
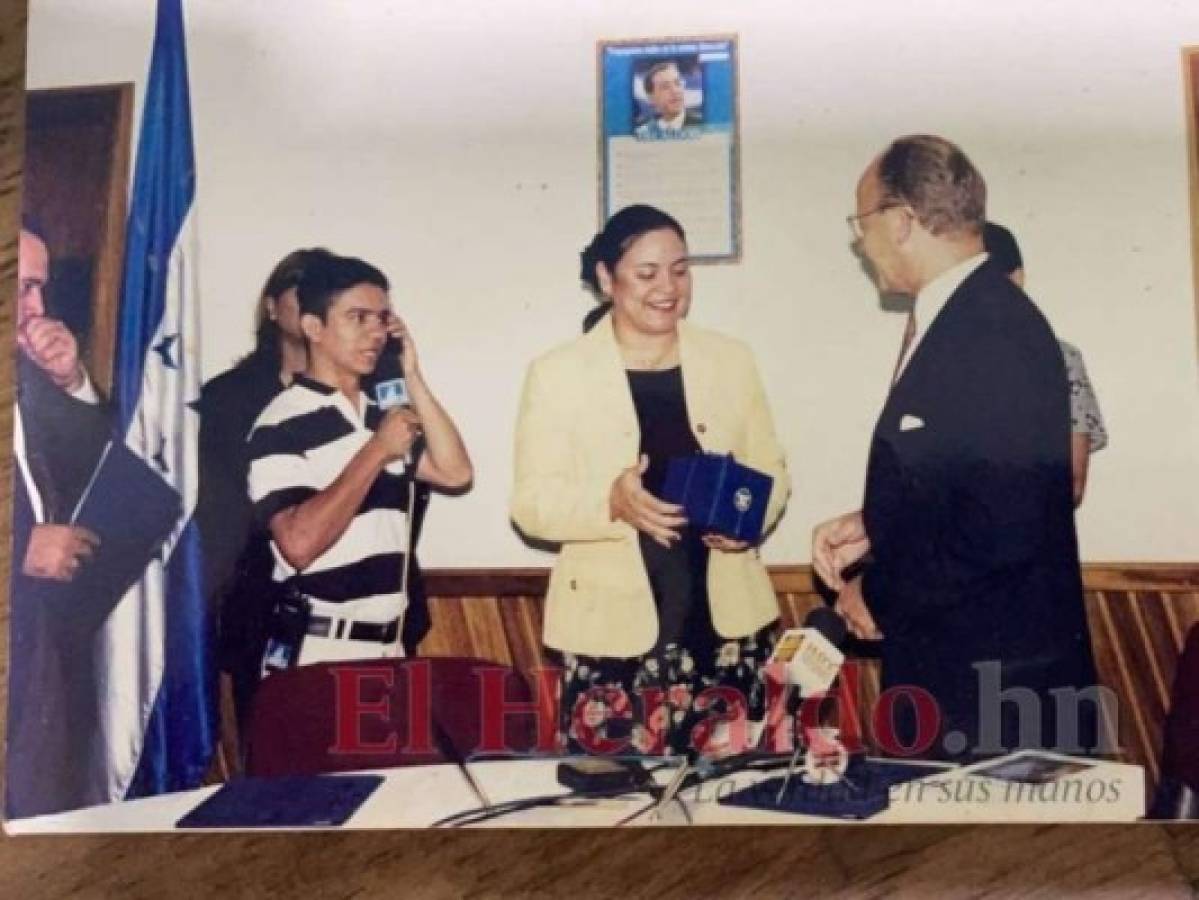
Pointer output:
x,y
76,184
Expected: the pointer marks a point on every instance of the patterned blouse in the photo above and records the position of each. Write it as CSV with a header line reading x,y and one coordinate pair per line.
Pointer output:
x,y
1085,417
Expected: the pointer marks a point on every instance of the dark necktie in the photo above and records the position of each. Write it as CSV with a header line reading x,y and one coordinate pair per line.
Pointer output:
x,y
909,335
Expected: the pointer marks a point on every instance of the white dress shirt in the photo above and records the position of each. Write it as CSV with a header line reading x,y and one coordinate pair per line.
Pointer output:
x,y
932,299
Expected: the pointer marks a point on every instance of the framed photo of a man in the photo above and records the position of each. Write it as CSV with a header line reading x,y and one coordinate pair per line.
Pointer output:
x,y
668,96
668,136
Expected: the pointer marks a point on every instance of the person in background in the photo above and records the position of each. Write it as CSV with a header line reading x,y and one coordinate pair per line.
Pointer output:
x,y
638,599
237,556
1088,434
60,430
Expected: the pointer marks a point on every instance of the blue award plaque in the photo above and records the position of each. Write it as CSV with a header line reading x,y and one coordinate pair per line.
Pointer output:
x,y
719,494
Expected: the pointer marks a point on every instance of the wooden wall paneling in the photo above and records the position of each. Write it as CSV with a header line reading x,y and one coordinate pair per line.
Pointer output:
x,y
1148,696
448,634
1117,725
485,627
1161,644
522,626
1182,612
794,607
1116,667
522,623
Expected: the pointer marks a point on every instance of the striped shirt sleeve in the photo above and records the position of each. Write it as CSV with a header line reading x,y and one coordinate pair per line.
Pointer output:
x,y
280,474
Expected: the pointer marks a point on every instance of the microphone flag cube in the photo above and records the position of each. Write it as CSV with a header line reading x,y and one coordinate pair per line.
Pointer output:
x,y
811,661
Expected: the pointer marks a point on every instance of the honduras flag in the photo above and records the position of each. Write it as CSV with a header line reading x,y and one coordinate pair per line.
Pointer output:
x,y
158,710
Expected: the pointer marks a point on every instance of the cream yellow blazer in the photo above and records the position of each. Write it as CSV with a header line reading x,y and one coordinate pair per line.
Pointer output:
x,y
577,430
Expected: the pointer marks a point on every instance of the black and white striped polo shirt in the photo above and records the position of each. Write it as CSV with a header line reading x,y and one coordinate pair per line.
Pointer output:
x,y
302,441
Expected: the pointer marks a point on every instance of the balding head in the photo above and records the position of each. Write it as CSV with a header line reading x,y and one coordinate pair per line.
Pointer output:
x,y
920,210
938,182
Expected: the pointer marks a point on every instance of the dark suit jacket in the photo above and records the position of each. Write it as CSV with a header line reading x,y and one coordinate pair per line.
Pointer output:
x,y
53,760
971,521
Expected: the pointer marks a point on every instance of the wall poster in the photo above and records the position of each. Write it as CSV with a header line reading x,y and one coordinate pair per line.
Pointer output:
x,y
668,136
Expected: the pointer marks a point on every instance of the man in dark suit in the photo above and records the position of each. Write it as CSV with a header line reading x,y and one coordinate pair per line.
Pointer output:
x,y
59,433
972,582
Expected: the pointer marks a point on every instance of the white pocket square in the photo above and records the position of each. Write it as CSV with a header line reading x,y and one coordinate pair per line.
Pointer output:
x,y
910,423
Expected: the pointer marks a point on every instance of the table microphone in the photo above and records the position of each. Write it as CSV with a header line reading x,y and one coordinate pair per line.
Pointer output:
x,y
810,660
809,655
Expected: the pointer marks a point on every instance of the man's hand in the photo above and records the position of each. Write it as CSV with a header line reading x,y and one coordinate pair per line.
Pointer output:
x,y
52,347
399,428
851,606
838,544
57,551
632,503
409,363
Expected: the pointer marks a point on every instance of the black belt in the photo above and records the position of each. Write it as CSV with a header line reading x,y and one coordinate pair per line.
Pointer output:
x,y
379,632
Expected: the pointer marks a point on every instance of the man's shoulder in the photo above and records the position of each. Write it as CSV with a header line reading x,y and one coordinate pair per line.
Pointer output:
x,y
996,306
289,405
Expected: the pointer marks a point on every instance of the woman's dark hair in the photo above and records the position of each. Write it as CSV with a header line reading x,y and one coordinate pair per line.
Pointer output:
x,y
1001,244
285,276
618,235
596,314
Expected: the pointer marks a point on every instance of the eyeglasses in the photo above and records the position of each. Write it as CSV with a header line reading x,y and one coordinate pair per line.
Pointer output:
x,y
855,221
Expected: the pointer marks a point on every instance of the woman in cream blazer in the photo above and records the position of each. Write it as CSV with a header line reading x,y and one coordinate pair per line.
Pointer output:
x,y
578,474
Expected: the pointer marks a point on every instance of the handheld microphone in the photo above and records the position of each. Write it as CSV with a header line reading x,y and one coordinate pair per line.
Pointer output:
x,y
390,389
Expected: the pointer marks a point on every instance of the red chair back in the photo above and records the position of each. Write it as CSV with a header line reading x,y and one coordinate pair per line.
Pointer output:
x,y
380,713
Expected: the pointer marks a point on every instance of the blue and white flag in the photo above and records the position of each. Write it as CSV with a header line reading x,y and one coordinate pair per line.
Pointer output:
x,y
158,719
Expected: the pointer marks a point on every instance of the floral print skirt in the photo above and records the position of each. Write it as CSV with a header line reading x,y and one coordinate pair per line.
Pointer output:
x,y
666,700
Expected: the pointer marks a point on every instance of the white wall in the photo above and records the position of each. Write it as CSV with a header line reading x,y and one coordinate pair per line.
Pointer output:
x,y
454,145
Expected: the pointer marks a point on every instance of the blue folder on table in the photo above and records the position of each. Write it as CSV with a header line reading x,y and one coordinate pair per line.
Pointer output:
x,y
719,494
865,791
293,801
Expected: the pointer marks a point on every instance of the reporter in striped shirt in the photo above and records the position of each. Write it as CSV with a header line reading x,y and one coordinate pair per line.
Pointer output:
x,y
328,474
